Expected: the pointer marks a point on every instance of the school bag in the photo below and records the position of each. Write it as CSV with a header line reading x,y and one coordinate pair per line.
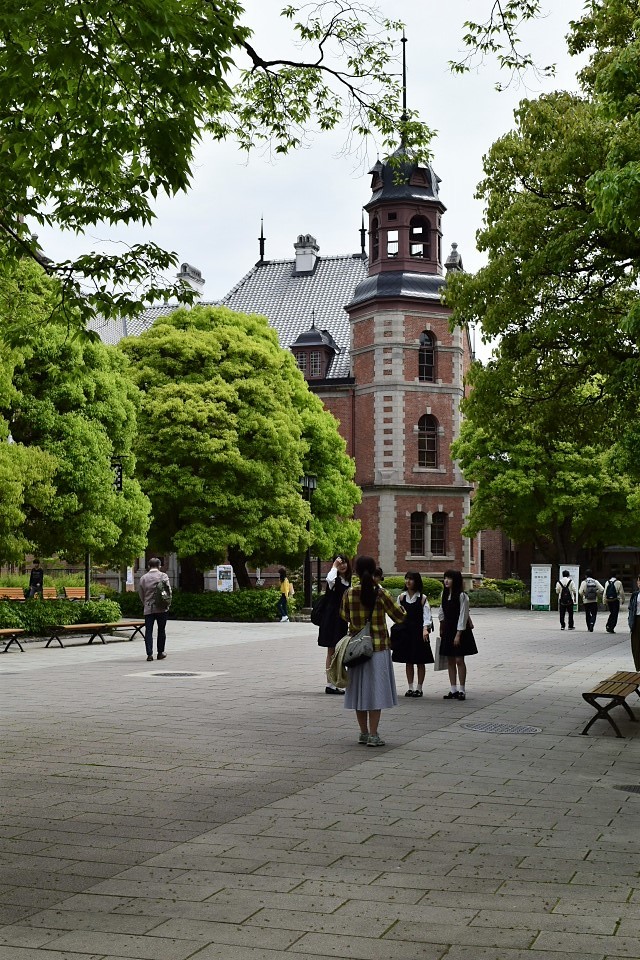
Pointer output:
x,y
611,592
590,590
162,595
566,597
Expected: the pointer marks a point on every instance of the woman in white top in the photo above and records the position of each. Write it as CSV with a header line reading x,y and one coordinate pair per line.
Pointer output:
x,y
456,633
332,627
410,639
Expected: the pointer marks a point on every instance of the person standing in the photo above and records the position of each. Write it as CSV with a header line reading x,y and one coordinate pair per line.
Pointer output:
x,y
372,686
36,580
614,598
590,590
634,624
286,591
156,610
456,633
332,627
410,639
565,588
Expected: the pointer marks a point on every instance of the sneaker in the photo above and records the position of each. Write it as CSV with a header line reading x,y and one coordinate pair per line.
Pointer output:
x,y
149,658
363,738
451,695
375,741
409,693
284,619
562,628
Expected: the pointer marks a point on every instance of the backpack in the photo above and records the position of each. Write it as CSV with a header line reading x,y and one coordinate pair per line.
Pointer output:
x,y
566,597
611,592
590,590
162,595
318,609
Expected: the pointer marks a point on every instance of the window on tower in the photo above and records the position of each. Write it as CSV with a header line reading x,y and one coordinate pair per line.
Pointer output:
x,y
439,534
427,441
417,543
419,238
392,243
427,357
375,239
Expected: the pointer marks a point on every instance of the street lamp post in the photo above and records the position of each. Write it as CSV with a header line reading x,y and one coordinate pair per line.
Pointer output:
x,y
309,482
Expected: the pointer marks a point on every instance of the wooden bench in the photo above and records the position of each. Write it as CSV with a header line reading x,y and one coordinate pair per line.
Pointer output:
x,y
611,693
12,593
11,634
73,593
49,593
95,630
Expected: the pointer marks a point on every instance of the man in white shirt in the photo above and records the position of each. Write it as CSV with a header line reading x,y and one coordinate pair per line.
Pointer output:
x,y
590,591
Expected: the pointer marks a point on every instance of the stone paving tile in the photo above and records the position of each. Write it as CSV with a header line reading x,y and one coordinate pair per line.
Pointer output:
x,y
123,945
574,943
34,953
545,921
458,952
95,920
365,948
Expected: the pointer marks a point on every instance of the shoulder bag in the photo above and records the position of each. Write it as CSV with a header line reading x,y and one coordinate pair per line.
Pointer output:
x,y
360,646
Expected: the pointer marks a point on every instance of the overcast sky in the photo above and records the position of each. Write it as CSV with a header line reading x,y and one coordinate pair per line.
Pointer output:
x,y
216,226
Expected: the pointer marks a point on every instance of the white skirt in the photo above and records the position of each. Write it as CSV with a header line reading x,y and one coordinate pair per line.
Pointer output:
x,y
372,684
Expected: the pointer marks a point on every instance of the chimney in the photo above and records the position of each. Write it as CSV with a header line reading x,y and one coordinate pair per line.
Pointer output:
x,y
191,277
307,250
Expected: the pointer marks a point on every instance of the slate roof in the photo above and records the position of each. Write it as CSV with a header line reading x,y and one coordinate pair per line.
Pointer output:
x,y
399,283
112,331
292,302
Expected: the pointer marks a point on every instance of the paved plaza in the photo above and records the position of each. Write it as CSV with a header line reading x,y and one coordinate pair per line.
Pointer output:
x,y
217,805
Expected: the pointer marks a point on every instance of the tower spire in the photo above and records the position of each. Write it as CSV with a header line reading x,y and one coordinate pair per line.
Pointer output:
x,y
261,240
363,239
404,116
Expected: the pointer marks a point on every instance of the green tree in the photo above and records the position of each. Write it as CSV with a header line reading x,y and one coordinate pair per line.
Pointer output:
x,y
227,428
69,406
104,102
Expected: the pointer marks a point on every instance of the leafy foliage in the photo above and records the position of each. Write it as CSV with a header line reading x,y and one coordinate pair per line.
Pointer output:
x,y
105,102
226,430
37,617
242,606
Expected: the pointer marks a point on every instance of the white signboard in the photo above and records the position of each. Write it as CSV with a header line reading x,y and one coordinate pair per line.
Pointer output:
x,y
540,586
224,578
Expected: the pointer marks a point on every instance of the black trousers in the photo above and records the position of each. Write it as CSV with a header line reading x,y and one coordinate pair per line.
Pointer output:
x,y
614,610
161,620
590,614
564,609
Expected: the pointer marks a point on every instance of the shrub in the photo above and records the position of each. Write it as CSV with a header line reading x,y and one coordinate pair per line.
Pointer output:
x,y
242,605
486,598
37,617
504,586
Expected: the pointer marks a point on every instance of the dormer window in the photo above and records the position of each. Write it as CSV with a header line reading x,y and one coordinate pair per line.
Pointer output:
x,y
301,360
315,367
314,351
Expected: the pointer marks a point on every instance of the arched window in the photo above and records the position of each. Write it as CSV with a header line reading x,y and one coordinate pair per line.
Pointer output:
x,y
392,243
427,357
375,239
417,544
427,441
439,534
420,238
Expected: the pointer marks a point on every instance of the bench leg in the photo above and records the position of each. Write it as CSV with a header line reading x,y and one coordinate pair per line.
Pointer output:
x,y
54,636
603,711
13,640
94,635
140,630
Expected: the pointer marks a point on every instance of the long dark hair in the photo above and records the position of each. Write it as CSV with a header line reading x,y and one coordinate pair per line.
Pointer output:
x,y
457,586
282,573
417,580
349,574
365,568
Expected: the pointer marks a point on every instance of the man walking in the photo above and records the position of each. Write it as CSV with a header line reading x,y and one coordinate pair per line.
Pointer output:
x,y
566,598
590,590
154,590
614,598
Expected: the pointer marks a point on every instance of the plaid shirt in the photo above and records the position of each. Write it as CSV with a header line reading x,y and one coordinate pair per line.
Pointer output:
x,y
356,615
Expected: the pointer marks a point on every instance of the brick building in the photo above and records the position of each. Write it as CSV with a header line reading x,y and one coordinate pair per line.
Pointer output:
x,y
371,334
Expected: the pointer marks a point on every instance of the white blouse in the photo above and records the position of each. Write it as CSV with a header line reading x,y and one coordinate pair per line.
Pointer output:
x,y
464,612
427,620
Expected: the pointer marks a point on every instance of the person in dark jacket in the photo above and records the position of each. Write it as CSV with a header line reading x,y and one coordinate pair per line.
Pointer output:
x,y
333,627
152,612
634,624
36,579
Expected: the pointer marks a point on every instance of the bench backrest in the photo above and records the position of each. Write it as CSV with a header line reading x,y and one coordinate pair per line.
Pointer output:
x,y
11,593
49,593
74,593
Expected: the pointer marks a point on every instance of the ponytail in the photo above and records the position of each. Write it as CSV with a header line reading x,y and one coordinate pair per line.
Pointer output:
x,y
365,568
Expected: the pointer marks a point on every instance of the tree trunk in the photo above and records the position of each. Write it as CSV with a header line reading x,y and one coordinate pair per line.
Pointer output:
x,y
238,561
191,579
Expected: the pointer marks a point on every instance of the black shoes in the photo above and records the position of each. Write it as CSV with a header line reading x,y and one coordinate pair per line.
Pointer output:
x,y
409,693
334,690
417,693
161,656
451,695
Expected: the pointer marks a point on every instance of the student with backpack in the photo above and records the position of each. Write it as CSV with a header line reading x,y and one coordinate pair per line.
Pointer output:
x,y
567,597
154,590
590,590
614,598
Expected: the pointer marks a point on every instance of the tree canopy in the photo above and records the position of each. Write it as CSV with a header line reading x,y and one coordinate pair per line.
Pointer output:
x,y
67,406
560,292
227,428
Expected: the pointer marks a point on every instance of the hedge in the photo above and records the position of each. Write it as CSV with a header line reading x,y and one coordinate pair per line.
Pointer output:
x,y
244,606
38,616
